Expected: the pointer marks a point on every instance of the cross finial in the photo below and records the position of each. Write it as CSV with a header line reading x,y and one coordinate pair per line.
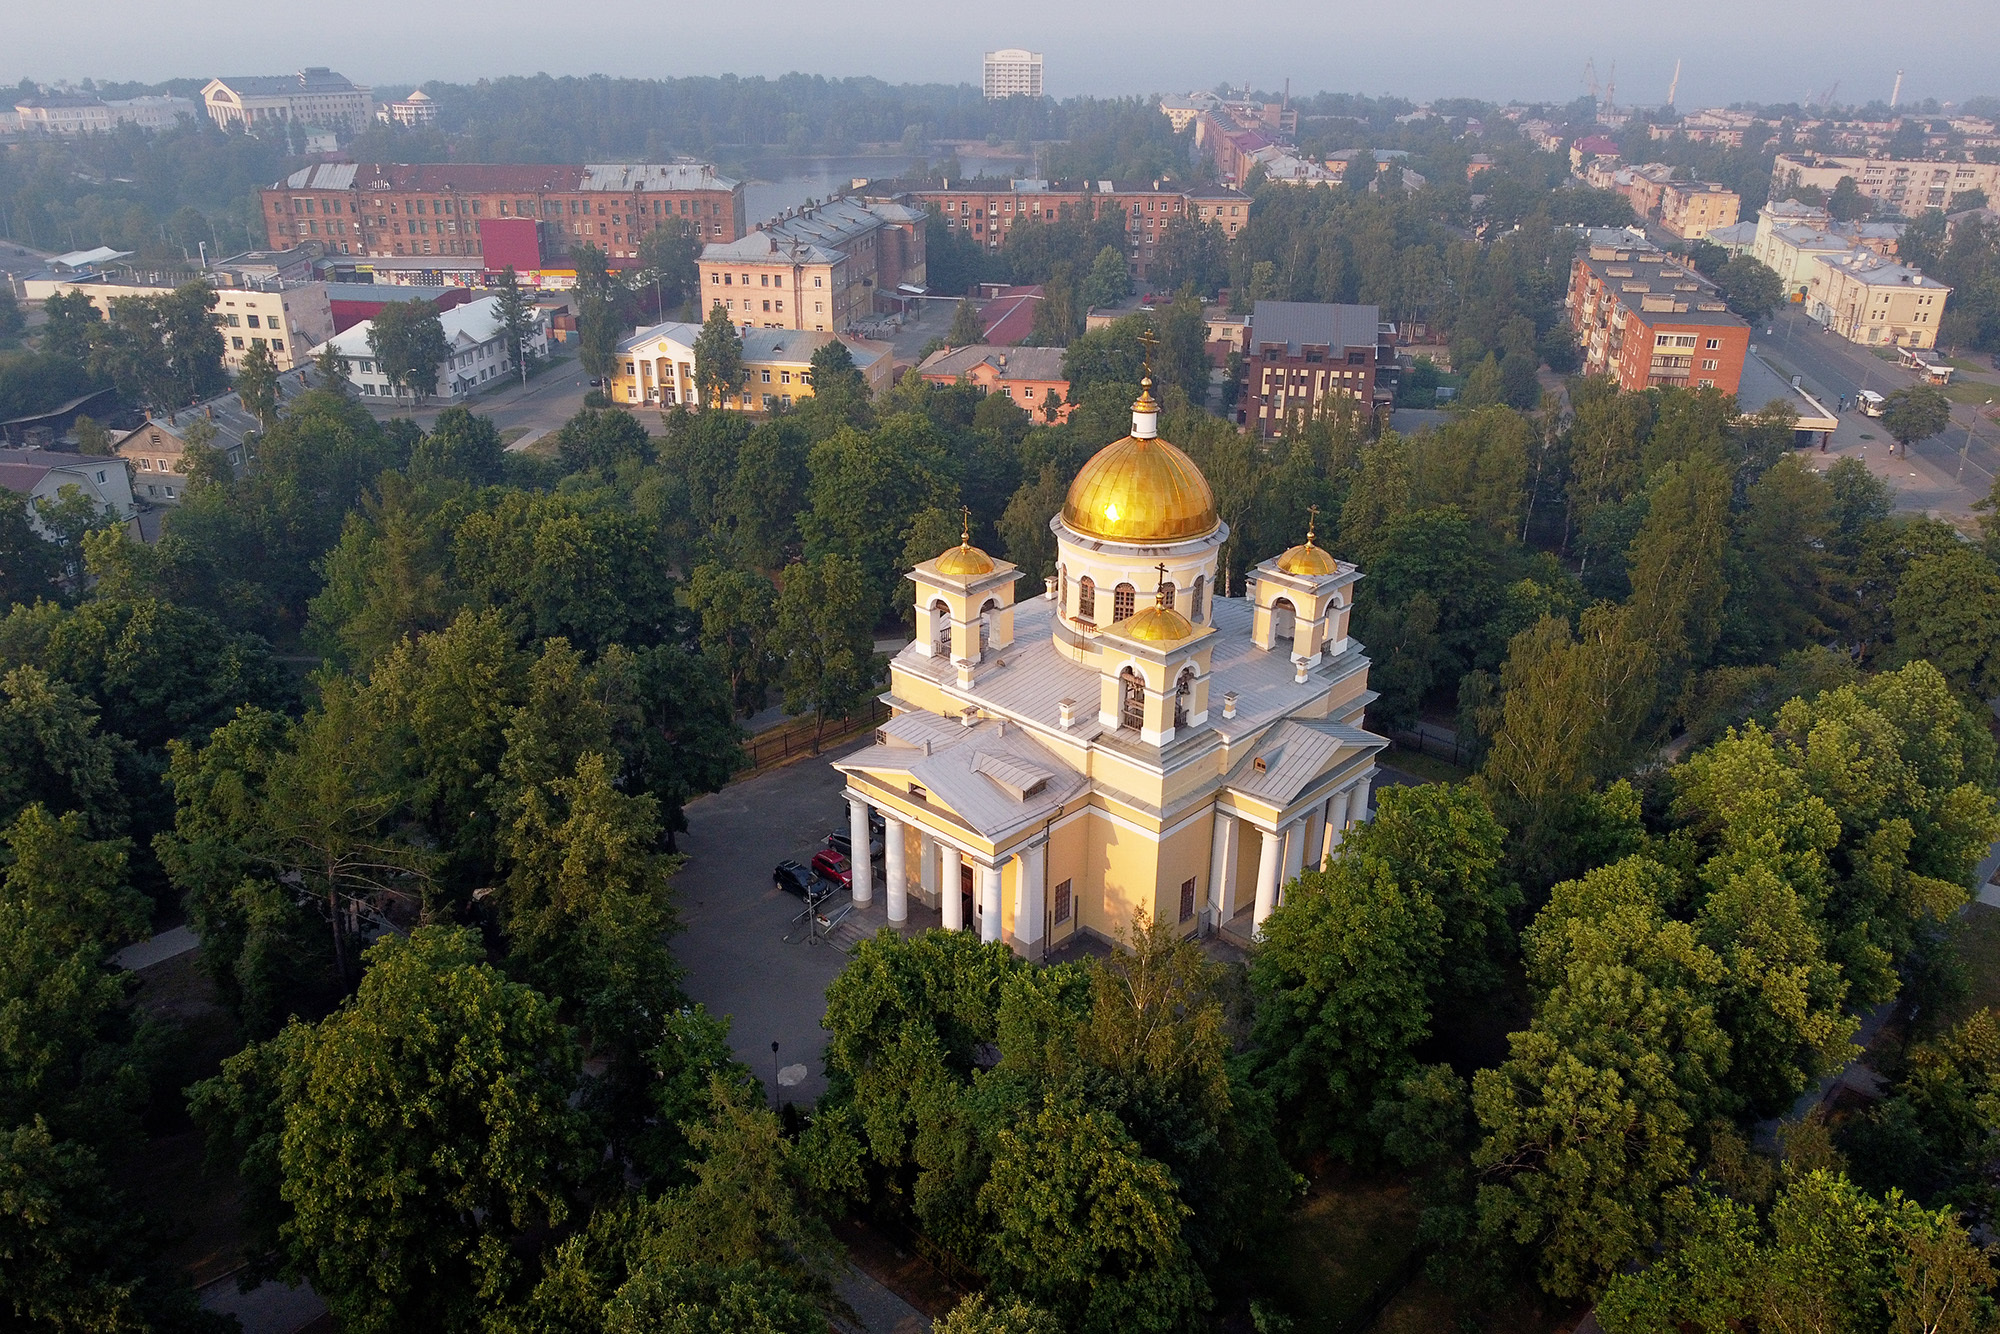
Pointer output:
x,y
965,533
1160,592
1312,519
1149,342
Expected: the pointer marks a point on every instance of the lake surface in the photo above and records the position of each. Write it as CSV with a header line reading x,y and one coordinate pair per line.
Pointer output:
x,y
775,184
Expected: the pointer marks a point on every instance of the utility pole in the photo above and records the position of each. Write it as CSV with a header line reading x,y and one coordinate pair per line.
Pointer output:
x,y
1962,449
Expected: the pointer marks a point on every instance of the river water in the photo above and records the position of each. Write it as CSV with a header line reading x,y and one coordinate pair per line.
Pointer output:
x,y
773,184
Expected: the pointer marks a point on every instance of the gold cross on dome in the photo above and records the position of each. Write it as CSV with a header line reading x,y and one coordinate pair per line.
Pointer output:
x,y
1149,342
965,534
1160,593
1312,519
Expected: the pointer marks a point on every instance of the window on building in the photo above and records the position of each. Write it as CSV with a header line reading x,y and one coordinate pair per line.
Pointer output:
x,y
1086,599
1195,607
1131,700
766,376
1062,902
1167,589
1121,602
1187,899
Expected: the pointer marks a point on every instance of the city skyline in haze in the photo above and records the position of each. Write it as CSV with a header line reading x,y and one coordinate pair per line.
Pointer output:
x,y
1786,51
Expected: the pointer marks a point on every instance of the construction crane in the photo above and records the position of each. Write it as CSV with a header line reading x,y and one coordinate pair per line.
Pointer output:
x,y
1611,91
1590,77
1825,99
1674,88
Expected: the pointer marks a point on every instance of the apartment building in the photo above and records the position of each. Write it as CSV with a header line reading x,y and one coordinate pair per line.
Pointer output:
x,y
1299,354
1227,208
655,367
82,113
387,210
314,96
1644,320
1895,184
986,210
478,353
1791,251
287,318
817,268
1691,210
1031,376
1011,73
1873,301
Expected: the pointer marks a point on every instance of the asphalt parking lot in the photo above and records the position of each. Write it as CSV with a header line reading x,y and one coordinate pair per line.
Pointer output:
x,y
744,947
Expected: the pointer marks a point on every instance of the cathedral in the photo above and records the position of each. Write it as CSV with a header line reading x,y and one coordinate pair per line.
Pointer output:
x,y
1126,740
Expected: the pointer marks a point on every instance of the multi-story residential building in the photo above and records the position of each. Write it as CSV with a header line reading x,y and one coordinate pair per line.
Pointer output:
x,y
1012,73
986,210
43,475
656,367
1300,353
1031,376
314,96
478,353
1693,209
419,108
83,113
447,208
287,318
1875,302
1644,320
1895,184
1790,251
817,268
1226,208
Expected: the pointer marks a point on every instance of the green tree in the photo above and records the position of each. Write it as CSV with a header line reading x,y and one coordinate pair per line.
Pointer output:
x,y
1108,282
836,379
407,340
1847,203
257,384
28,564
735,609
460,447
11,319
825,639
1677,565
600,302
718,359
601,438
330,369
1915,413
516,314
418,1226
52,752
667,261
91,437
1947,612
71,324
866,488
966,326
1749,288
1010,1315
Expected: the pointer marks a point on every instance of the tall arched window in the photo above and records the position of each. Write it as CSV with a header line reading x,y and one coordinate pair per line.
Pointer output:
x,y
1062,591
940,629
1284,619
986,625
1200,598
1131,700
1121,602
1168,591
1086,599
1183,696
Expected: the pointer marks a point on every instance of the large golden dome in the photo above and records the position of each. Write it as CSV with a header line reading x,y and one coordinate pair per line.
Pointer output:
x,y
1142,490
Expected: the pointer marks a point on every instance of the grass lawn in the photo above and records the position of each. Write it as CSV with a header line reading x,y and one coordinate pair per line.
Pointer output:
x,y
1976,392
1350,1236
1430,768
511,434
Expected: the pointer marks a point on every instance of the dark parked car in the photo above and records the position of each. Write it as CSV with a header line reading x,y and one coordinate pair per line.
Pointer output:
x,y
831,865
795,879
844,845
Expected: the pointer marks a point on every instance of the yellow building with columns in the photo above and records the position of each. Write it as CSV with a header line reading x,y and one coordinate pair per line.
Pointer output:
x,y
1125,740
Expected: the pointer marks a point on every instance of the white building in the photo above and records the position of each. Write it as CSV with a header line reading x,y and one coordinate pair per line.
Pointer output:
x,y
478,353
416,109
82,113
1013,73
42,475
314,96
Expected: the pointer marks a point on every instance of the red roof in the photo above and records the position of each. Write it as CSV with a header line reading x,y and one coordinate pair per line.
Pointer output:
x,y
1010,316
1598,145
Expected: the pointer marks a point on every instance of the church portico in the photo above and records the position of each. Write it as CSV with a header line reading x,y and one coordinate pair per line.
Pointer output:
x,y
1125,742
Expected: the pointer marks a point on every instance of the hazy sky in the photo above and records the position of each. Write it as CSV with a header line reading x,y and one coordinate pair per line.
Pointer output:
x,y
1768,50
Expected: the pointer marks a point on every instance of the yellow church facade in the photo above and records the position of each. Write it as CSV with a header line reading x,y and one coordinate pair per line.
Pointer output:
x,y
1124,740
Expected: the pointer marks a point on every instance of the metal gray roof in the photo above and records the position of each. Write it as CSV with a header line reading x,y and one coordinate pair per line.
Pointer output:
x,y
324,176
1314,323
1294,753
1013,363
626,176
994,776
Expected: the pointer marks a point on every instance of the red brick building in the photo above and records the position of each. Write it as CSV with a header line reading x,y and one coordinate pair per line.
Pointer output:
x,y
986,210
1299,353
1644,320
388,209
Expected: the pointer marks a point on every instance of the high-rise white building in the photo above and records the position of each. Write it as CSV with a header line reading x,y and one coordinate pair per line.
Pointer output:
x,y
1013,73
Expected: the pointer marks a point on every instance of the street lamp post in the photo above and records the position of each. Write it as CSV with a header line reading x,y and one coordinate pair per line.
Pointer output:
x,y
774,1076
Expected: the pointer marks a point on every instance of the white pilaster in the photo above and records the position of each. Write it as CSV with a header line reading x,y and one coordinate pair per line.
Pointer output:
x,y
951,907
1268,856
1360,813
989,903
1222,867
894,870
1336,819
863,864
1030,894
1295,851
927,865
1312,830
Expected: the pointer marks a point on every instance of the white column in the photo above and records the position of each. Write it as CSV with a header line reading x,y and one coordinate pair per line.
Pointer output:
x,y
894,871
1295,850
951,908
927,863
1336,819
989,903
1312,835
1030,893
1359,812
864,865
1267,879
1222,867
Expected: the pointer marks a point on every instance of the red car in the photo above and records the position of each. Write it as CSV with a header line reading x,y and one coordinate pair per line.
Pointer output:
x,y
830,865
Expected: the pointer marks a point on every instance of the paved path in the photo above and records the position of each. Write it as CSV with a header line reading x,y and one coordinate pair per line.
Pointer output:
x,y
880,1310
167,945
271,1308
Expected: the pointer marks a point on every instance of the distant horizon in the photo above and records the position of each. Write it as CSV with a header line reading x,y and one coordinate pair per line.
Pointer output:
x,y
1781,51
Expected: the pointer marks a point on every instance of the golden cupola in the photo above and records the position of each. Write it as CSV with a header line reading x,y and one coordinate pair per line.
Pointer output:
x,y
1306,558
965,561
1141,490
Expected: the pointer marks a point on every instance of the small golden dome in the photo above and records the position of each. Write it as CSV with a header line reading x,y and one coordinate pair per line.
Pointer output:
x,y
1308,560
1156,625
1140,490
964,562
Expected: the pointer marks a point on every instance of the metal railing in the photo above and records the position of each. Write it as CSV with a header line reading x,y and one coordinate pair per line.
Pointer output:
x,y
780,744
